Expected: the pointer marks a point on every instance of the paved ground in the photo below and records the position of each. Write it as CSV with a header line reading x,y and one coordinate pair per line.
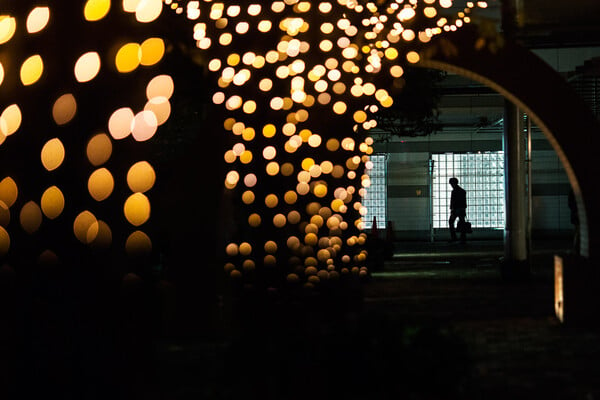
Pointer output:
x,y
515,347
438,322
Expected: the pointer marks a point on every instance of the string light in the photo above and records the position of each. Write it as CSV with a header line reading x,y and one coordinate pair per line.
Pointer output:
x,y
297,73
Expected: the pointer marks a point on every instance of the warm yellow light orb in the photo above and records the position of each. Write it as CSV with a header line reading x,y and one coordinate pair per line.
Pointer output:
x,y
337,204
85,227
53,154
254,220
248,197
269,152
128,57
119,123
101,184
38,19
144,125
272,168
148,10
8,26
30,217
64,109
430,12
10,121
413,57
279,221
161,107
137,209
249,107
232,249
160,86
340,107
332,144
245,249
232,178
8,191
246,157
95,10
320,190
360,116
130,5
311,239
307,163
138,243
271,201
87,67
269,130
302,188
287,169
152,51
53,202
141,177
31,70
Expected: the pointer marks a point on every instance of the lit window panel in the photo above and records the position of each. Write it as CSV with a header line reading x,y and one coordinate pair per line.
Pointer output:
x,y
482,176
375,199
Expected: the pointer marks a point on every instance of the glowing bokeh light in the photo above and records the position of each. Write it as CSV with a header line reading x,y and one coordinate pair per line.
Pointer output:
x,y
101,184
52,202
152,51
144,125
141,177
138,243
10,120
53,154
8,191
300,179
30,217
85,227
38,19
119,124
128,57
8,26
103,237
95,10
99,149
161,107
137,209
64,109
148,10
130,5
160,86
87,67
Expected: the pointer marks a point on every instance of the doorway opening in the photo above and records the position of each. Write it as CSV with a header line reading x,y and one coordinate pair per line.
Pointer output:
x,y
481,174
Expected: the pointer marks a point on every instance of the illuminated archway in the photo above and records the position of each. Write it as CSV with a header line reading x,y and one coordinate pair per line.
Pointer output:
x,y
531,84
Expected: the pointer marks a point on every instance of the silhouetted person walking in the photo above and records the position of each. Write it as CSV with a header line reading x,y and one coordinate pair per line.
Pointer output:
x,y
458,209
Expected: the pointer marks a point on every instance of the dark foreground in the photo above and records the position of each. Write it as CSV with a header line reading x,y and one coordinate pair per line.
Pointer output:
x,y
423,327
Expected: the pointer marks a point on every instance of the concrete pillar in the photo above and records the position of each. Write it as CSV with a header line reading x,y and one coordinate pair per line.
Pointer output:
x,y
515,232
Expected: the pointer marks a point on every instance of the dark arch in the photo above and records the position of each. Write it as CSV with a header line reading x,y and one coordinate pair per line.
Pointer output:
x,y
531,84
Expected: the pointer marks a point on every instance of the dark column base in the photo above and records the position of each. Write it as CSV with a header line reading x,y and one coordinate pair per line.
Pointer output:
x,y
515,271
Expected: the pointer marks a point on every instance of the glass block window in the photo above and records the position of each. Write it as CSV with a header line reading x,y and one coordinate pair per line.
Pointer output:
x,y
482,176
375,199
